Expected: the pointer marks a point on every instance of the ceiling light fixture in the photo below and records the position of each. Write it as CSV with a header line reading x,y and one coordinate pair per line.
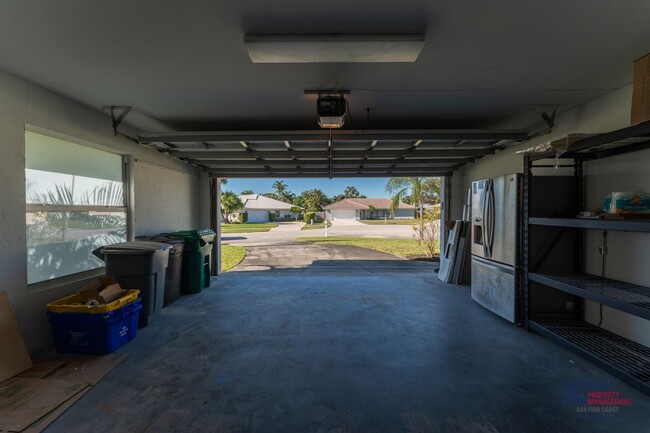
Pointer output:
x,y
334,48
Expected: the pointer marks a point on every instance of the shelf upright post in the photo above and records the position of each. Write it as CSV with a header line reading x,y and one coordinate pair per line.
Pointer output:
x,y
525,238
578,173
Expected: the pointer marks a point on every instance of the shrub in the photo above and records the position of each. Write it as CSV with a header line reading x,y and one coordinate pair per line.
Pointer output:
x,y
243,217
272,216
427,231
310,216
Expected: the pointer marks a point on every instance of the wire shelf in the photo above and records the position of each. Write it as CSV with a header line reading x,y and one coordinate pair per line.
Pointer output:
x,y
623,357
628,297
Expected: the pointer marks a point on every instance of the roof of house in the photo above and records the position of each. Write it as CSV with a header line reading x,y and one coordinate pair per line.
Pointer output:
x,y
365,203
260,202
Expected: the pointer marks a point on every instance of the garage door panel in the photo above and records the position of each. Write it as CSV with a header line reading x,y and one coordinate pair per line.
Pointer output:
x,y
343,214
258,216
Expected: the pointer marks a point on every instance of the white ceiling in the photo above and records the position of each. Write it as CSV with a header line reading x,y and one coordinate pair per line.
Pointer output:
x,y
184,64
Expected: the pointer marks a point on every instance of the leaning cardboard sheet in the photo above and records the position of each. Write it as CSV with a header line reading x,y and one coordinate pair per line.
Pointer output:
x,y
34,394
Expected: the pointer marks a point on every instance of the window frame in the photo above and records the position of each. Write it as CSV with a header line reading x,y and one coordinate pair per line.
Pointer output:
x,y
127,207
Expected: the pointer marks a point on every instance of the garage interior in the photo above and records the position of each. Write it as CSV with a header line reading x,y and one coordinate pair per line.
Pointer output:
x,y
189,93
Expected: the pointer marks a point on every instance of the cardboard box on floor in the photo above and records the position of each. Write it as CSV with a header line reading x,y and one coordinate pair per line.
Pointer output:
x,y
76,368
43,390
641,90
24,401
85,369
14,357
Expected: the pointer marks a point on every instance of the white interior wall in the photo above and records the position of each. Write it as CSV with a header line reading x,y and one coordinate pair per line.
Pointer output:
x,y
629,252
23,103
167,185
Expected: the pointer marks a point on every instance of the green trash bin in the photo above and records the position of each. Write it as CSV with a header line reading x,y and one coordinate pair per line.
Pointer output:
x,y
196,258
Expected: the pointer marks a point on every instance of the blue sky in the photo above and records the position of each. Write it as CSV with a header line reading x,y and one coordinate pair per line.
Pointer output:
x,y
370,187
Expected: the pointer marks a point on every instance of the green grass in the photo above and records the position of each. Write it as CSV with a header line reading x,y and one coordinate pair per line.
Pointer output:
x,y
231,256
247,227
315,226
404,222
405,248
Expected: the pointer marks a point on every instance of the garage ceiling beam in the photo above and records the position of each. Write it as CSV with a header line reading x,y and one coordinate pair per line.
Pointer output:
x,y
310,162
323,169
312,174
421,134
324,154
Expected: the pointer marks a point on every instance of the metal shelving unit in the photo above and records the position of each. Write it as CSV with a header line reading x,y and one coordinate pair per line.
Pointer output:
x,y
631,298
595,224
623,358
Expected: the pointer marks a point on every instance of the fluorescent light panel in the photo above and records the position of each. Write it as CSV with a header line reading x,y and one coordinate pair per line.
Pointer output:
x,y
334,49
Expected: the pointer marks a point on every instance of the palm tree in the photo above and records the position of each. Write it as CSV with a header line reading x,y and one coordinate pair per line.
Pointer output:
x,y
280,187
413,187
230,202
350,192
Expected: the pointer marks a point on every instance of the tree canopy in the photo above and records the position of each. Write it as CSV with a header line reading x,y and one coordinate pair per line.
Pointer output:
x,y
230,202
312,200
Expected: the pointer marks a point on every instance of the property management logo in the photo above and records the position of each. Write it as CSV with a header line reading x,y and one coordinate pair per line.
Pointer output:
x,y
591,397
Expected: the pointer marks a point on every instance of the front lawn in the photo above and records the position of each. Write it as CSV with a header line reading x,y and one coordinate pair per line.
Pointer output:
x,y
231,256
400,222
315,226
406,248
247,227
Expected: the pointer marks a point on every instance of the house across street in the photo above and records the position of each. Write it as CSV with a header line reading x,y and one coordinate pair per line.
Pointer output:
x,y
367,208
260,207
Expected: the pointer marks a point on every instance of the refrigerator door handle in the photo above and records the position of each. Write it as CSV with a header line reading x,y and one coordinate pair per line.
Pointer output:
x,y
484,233
491,217
488,219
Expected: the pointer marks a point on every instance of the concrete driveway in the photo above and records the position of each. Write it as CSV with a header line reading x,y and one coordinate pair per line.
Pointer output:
x,y
303,257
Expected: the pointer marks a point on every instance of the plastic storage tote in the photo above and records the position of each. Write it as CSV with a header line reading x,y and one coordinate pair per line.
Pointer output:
x,y
95,333
196,258
67,304
139,265
174,268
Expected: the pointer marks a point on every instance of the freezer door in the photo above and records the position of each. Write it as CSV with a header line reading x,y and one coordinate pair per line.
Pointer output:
x,y
501,222
495,287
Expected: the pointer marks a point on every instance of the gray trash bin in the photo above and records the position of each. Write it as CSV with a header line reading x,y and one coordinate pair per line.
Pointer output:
x,y
139,265
174,269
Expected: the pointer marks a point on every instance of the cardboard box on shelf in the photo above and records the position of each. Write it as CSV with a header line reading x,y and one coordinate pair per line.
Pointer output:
x,y
641,90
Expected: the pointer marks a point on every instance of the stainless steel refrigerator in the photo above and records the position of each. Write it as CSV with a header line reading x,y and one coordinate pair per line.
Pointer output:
x,y
495,228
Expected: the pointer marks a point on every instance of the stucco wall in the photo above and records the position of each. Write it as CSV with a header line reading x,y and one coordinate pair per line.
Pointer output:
x,y
23,103
165,199
629,252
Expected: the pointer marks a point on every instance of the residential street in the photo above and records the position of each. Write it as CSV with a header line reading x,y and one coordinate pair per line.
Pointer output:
x,y
288,232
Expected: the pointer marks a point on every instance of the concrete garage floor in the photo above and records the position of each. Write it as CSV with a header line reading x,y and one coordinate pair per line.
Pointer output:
x,y
352,343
